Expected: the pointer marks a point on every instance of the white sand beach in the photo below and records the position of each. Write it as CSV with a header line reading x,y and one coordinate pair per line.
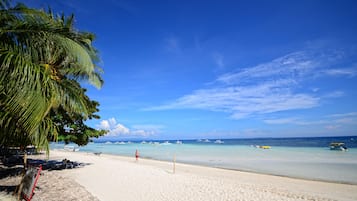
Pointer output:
x,y
112,178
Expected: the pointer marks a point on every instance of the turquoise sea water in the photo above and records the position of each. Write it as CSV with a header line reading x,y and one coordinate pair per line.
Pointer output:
x,y
308,158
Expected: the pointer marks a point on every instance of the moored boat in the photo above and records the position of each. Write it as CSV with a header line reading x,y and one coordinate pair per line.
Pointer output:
x,y
166,143
70,148
218,142
339,146
265,147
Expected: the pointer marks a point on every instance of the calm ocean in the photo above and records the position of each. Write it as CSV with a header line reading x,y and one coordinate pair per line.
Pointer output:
x,y
308,158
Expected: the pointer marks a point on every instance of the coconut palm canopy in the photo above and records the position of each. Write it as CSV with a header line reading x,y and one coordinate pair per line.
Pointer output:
x,y
43,60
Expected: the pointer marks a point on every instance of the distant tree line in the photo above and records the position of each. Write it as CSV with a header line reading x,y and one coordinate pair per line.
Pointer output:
x,y
43,61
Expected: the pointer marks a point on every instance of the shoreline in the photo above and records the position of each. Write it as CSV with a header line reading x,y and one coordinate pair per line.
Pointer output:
x,y
107,176
311,163
285,176
239,170
232,169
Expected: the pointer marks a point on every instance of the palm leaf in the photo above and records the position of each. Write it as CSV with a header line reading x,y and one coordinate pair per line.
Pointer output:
x,y
42,58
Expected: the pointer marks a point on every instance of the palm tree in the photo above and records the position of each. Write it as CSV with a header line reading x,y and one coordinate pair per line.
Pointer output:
x,y
42,59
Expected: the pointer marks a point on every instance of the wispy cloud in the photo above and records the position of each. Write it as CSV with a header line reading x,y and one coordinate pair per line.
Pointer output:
x,y
292,66
218,59
332,127
269,87
243,101
350,114
334,94
297,66
344,118
118,129
330,122
125,5
172,44
281,121
296,121
350,72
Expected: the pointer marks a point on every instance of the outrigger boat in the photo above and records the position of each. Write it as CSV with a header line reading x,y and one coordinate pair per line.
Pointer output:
x,y
265,147
339,146
262,146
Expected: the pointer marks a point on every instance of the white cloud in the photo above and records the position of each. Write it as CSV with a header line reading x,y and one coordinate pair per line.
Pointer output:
x,y
270,87
344,118
117,129
104,125
113,127
350,72
315,89
332,127
143,133
350,114
281,121
296,121
244,101
153,127
334,94
329,121
292,66
120,129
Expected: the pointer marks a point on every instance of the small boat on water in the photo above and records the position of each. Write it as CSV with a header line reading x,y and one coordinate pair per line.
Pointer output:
x,y
218,142
70,148
178,142
339,146
166,143
264,147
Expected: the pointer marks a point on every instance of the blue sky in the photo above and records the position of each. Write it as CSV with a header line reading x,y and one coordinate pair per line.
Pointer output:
x,y
222,69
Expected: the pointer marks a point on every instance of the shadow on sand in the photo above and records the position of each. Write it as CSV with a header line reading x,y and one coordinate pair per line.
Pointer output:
x,y
13,166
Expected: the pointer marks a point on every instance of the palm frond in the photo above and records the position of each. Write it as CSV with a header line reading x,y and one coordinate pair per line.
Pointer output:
x,y
42,58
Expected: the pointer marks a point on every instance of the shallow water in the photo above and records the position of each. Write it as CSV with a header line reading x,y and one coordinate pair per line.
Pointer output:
x,y
316,163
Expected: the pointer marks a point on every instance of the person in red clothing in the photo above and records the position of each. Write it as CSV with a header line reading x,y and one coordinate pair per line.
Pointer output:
x,y
137,155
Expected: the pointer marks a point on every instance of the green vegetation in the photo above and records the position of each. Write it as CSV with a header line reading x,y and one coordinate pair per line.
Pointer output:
x,y
43,59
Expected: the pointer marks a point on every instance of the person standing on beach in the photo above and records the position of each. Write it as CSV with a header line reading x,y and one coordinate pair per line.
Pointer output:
x,y
136,155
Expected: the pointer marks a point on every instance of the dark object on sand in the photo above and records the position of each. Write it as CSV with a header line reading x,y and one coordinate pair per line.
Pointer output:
x,y
29,182
65,164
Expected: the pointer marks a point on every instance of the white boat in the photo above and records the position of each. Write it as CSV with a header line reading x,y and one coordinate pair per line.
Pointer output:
x,y
206,140
70,148
120,143
166,143
178,142
143,142
218,142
